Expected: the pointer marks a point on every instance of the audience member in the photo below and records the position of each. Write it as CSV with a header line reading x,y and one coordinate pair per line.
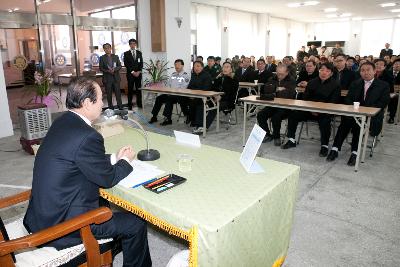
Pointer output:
x,y
308,74
178,79
342,74
369,92
386,51
200,80
336,50
301,54
394,97
284,88
133,61
313,51
321,89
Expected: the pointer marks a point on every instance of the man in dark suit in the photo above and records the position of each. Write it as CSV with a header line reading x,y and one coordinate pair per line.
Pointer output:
x,y
386,51
369,92
343,75
313,51
110,65
270,66
322,89
262,75
245,73
70,168
133,62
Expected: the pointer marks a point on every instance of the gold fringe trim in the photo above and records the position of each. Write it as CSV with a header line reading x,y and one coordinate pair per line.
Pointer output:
x,y
279,262
190,236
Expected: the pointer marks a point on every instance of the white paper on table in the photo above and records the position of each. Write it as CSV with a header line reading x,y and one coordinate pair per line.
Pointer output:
x,y
187,139
247,158
142,172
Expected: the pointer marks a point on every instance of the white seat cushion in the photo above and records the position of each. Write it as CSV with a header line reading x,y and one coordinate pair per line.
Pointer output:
x,y
43,257
180,259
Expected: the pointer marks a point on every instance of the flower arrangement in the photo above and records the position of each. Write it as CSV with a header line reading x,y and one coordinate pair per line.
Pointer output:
x,y
42,87
157,70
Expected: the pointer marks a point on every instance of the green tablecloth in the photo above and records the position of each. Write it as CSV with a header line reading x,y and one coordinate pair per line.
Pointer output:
x,y
242,219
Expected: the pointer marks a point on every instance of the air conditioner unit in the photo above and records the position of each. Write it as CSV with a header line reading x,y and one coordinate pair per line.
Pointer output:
x,y
34,120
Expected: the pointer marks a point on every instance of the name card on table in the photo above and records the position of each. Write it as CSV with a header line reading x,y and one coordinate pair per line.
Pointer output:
x,y
248,156
187,139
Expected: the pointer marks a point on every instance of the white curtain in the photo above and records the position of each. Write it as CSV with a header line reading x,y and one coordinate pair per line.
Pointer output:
x,y
278,38
374,35
243,34
395,44
208,32
334,31
298,37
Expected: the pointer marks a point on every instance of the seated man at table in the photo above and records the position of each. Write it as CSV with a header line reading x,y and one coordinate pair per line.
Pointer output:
x,y
308,74
288,61
369,92
343,75
179,79
394,97
285,88
200,80
226,83
383,74
245,73
70,168
262,75
322,89
212,68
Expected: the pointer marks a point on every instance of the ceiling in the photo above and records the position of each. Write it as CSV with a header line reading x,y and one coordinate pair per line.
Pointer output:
x,y
366,9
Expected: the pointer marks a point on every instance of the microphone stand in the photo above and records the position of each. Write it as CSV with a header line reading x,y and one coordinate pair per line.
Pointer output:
x,y
147,154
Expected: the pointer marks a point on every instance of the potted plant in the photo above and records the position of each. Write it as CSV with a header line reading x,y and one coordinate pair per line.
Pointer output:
x,y
157,73
44,92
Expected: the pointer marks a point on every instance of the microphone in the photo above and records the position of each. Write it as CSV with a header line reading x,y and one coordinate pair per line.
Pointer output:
x,y
143,155
122,113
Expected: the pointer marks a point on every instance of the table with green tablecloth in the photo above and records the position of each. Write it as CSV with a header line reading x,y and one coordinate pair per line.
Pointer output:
x,y
229,217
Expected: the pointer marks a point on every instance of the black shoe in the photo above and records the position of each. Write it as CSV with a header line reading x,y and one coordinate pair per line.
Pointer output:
x,y
277,142
129,107
166,122
187,121
352,160
153,119
267,138
391,120
332,155
323,152
289,144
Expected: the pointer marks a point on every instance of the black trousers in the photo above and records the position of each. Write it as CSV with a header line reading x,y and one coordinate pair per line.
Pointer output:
x,y
169,101
110,87
393,106
223,105
276,115
196,112
134,84
132,231
324,122
347,124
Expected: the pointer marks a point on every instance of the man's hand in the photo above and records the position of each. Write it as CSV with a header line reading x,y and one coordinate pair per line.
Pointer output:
x,y
127,152
302,84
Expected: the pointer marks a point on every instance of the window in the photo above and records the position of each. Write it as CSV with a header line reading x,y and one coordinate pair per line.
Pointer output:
x,y
208,37
375,33
278,38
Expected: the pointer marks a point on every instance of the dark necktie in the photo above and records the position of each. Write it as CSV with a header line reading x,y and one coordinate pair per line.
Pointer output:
x,y
134,55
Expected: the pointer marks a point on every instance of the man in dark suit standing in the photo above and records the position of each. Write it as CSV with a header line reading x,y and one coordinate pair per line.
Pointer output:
x,y
386,51
70,168
110,65
369,92
133,62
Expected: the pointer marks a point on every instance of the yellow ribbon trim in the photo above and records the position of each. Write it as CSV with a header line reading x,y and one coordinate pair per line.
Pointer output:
x,y
190,236
279,262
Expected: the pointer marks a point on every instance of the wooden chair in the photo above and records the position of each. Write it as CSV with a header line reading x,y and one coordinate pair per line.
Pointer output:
x,y
82,223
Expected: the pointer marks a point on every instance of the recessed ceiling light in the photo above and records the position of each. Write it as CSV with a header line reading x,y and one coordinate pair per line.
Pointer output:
x,y
16,9
294,5
311,3
387,4
307,3
331,16
395,10
345,15
330,9
10,10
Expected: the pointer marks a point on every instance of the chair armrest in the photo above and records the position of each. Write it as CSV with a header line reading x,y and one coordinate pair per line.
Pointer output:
x,y
15,199
96,216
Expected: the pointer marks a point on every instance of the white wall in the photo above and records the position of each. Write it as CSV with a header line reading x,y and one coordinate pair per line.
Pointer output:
x,y
6,128
178,39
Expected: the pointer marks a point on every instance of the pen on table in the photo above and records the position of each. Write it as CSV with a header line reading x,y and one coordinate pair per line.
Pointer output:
x,y
161,185
157,181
